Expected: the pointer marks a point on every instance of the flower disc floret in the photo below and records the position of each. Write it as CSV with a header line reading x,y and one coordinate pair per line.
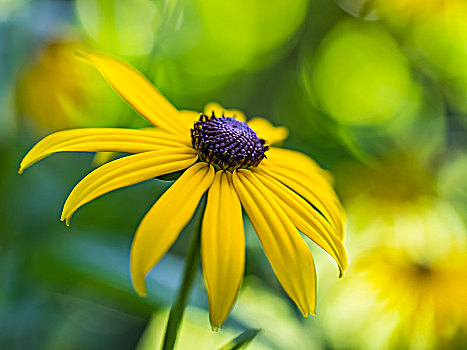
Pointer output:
x,y
227,143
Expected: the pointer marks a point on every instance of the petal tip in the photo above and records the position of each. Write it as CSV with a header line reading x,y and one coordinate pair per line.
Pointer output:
x,y
67,219
141,293
341,273
309,313
139,284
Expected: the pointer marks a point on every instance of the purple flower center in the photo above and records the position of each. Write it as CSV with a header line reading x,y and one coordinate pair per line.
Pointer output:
x,y
227,143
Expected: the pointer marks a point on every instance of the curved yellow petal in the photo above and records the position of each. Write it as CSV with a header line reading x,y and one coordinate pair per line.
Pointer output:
x,y
265,130
134,88
306,219
102,140
289,158
222,247
283,245
219,111
162,224
312,186
189,118
124,172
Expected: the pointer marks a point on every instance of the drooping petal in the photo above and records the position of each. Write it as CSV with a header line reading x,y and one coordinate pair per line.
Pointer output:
x,y
219,111
124,172
134,88
222,247
265,130
288,158
306,219
102,140
318,197
162,224
283,245
312,186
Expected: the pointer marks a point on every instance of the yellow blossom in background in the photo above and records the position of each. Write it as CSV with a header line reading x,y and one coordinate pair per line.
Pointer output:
x,y
57,90
376,193
48,90
408,285
221,154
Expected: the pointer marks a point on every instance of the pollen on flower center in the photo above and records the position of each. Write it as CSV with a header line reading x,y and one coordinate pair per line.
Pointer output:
x,y
227,143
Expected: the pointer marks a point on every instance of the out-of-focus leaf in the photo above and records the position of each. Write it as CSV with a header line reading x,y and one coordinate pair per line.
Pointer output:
x,y
241,341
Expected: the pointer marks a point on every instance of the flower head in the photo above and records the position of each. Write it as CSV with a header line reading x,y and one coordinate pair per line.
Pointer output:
x,y
227,143
408,285
221,154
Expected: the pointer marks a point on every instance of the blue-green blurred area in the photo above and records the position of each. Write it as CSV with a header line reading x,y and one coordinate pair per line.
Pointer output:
x,y
374,90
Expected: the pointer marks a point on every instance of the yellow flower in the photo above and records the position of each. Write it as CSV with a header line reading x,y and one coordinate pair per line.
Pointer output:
x,y
408,285
49,92
281,190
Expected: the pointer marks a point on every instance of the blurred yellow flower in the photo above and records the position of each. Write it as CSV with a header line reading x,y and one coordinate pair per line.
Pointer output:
x,y
51,94
408,287
219,153
48,91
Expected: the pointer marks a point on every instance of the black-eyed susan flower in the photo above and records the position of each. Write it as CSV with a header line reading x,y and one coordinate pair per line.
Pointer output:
x,y
230,159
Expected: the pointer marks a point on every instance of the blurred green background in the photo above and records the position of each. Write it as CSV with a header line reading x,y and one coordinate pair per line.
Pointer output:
x,y
374,90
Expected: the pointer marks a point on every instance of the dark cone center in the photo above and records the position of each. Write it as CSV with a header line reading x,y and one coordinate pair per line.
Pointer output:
x,y
227,143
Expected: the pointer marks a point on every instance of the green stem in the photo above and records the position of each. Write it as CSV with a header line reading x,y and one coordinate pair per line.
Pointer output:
x,y
191,266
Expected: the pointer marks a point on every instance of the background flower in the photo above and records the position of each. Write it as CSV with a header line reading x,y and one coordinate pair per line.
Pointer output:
x,y
407,287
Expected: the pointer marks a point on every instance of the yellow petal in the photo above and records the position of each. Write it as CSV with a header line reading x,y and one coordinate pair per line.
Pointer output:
x,y
124,172
288,158
283,245
164,221
102,140
306,219
189,118
266,131
219,111
222,247
134,88
311,185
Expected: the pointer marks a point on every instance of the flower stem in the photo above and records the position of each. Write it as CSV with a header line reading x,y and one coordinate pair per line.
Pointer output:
x,y
191,266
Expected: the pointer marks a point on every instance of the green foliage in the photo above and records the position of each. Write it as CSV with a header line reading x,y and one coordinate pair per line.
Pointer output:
x,y
242,340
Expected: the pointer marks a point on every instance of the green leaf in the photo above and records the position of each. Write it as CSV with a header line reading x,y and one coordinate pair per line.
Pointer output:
x,y
242,341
